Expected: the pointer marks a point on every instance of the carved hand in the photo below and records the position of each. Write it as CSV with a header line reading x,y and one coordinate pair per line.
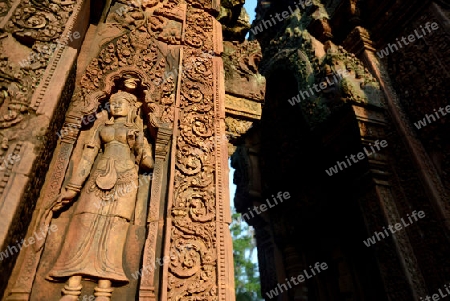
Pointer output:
x,y
131,138
139,139
135,138
65,197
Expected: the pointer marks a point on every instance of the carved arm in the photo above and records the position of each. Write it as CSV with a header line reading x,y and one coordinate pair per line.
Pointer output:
x,y
84,167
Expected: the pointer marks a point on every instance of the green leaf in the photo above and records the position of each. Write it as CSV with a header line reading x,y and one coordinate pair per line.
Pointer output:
x,y
248,287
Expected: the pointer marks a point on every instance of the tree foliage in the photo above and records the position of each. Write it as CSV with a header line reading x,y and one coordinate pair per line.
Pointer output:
x,y
248,287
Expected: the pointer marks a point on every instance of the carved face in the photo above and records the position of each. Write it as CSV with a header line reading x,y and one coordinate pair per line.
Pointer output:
x,y
119,106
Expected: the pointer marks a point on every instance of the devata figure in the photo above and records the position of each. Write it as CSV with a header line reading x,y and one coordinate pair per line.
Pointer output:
x,y
96,235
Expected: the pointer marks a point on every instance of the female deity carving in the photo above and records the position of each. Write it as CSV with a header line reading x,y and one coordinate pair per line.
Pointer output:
x,y
106,174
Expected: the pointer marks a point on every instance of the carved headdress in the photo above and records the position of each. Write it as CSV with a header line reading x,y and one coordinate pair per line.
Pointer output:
x,y
132,99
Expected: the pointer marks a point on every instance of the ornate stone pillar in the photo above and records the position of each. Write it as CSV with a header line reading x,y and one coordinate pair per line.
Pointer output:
x,y
379,201
198,216
359,42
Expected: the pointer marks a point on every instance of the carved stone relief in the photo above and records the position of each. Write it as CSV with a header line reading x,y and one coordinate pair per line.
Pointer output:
x,y
171,49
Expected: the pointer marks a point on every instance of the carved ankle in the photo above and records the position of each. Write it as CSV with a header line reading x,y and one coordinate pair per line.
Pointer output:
x,y
71,291
103,293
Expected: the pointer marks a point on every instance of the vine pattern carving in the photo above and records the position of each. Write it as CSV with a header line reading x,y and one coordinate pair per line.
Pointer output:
x,y
193,276
37,26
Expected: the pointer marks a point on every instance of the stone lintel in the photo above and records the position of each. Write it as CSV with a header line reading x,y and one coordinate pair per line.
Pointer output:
x,y
242,107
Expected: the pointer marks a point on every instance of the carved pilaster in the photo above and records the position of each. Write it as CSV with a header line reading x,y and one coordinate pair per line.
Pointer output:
x,y
197,213
25,270
155,221
371,125
432,183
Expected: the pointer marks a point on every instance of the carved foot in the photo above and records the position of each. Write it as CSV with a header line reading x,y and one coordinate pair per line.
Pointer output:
x,y
103,291
72,289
